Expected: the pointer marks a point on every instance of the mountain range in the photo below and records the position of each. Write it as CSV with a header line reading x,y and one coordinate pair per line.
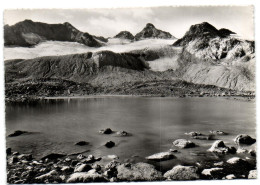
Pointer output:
x,y
203,56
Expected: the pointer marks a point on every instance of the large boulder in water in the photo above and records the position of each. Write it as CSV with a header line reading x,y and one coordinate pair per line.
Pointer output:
x,y
138,172
161,156
183,143
244,139
220,147
106,131
182,173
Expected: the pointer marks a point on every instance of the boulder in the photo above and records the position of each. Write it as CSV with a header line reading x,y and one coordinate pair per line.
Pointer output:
x,y
82,168
17,133
138,172
252,153
8,151
194,134
110,144
12,160
236,160
221,163
122,133
80,157
112,157
106,131
219,147
27,157
53,156
183,143
209,172
244,139
218,132
47,175
180,172
231,176
86,177
66,169
163,156
203,137
112,165
81,143
242,151
252,174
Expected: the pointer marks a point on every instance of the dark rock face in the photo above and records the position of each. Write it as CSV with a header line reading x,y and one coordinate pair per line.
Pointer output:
x,y
110,144
150,31
17,133
203,31
29,33
125,35
244,139
106,131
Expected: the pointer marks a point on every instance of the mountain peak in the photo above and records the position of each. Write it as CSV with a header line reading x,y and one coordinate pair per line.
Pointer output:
x,y
125,35
149,25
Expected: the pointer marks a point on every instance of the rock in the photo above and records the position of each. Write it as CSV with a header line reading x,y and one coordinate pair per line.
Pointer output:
x,y
27,157
67,159
183,143
242,151
47,175
74,163
36,163
252,174
173,150
208,172
80,157
110,144
16,153
221,163
97,167
17,133
161,156
82,168
219,147
231,176
180,172
252,153
113,157
12,160
81,143
86,177
8,151
194,134
122,133
112,165
218,132
66,169
236,160
203,137
106,131
124,35
53,156
244,139
138,172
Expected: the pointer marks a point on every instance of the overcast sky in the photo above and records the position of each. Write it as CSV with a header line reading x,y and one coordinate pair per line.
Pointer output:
x,y
176,20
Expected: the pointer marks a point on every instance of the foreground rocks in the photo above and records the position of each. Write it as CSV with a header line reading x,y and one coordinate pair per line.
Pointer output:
x,y
161,156
183,143
182,173
244,139
219,147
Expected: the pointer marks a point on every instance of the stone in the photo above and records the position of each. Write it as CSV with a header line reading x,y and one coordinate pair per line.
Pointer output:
x,y
67,159
82,168
36,163
242,151
80,157
203,137
53,156
47,175
66,169
112,165
27,157
8,151
219,147
110,144
97,167
173,150
86,177
194,134
138,172
183,143
122,133
17,133
252,174
81,143
244,139
252,153
236,160
231,176
163,156
106,131
208,172
218,132
180,172
12,160
112,157
221,163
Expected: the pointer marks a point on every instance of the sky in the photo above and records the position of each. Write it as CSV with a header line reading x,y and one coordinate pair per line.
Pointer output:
x,y
109,22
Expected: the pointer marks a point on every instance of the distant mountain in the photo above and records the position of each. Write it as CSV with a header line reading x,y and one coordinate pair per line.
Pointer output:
x,y
29,33
125,35
150,31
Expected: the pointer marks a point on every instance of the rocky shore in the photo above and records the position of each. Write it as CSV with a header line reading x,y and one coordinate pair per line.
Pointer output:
x,y
62,168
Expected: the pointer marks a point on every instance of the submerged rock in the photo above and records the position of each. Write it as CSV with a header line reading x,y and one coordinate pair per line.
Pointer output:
x,y
219,147
110,144
86,177
81,143
161,156
122,133
183,143
203,137
252,174
138,172
17,133
182,173
53,156
244,139
218,132
106,131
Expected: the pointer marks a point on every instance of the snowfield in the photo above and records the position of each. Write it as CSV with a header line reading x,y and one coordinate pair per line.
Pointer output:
x,y
54,48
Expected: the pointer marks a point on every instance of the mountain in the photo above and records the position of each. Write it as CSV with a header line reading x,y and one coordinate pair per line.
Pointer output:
x,y
150,31
125,35
29,33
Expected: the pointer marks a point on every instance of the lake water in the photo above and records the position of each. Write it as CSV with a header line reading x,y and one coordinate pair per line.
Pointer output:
x,y
56,125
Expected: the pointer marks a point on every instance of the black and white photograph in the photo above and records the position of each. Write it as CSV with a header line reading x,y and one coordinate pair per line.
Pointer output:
x,y
162,93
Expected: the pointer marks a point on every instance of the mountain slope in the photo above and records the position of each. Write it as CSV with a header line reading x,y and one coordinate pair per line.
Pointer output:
x,y
150,31
124,35
29,33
